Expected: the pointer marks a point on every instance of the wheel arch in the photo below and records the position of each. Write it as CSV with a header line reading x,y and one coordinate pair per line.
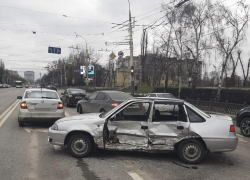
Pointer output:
x,y
242,116
77,132
198,139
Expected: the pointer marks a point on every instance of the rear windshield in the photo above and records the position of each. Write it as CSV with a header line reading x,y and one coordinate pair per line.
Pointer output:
x,y
166,95
41,95
76,91
120,96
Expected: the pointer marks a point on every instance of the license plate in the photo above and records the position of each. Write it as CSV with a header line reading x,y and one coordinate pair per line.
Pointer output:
x,y
78,97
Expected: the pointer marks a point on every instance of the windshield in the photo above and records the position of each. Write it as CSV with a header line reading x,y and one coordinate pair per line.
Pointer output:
x,y
198,110
41,95
77,91
119,96
18,83
166,95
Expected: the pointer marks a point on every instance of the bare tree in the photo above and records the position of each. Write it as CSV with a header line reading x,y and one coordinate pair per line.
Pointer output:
x,y
245,72
229,38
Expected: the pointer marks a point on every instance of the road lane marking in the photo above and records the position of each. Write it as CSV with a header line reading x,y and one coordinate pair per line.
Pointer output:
x,y
66,114
27,130
241,140
35,129
4,116
33,157
57,148
135,176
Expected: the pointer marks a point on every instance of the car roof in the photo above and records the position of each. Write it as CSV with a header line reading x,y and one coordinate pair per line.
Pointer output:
x,y
162,99
39,89
159,93
75,89
110,92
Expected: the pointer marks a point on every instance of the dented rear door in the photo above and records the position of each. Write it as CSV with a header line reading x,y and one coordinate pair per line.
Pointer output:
x,y
129,130
169,125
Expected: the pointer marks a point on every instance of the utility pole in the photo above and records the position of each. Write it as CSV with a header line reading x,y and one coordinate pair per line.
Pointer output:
x,y
87,58
65,78
132,83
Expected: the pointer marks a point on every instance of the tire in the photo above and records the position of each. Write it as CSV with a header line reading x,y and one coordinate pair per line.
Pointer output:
x,y
245,127
21,124
80,109
191,151
80,142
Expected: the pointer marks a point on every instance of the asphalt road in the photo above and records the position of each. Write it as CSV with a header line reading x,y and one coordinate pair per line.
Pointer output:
x,y
26,154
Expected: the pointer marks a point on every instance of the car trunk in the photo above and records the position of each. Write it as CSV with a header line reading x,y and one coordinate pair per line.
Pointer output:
x,y
44,105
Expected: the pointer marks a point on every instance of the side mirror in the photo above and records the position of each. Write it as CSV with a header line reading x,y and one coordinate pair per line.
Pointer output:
x,y
62,93
19,97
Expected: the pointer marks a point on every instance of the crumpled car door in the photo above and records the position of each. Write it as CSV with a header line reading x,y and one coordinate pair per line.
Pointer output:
x,y
169,125
129,130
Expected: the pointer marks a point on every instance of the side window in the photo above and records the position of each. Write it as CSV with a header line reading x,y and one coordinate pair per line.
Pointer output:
x,y
152,95
165,111
100,97
92,96
134,112
193,116
105,97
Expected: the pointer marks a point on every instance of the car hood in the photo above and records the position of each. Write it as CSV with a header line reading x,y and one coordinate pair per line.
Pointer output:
x,y
87,118
220,117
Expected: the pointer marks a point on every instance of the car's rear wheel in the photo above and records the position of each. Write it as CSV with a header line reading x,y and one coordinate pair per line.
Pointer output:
x,y
191,151
21,124
245,127
80,109
102,111
80,145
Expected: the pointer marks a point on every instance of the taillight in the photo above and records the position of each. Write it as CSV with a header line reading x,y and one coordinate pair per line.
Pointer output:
x,y
23,105
115,104
70,95
60,105
232,129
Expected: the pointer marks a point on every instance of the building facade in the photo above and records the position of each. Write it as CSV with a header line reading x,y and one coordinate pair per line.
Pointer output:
x,y
29,76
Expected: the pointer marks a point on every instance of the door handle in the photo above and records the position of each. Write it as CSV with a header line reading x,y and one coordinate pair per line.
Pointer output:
x,y
180,127
144,127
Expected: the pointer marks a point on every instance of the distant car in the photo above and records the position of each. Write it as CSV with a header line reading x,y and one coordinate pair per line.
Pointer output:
x,y
5,85
138,125
26,86
40,105
8,85
161,95
243,121
72,96
38,86
1,85
101,101
52,87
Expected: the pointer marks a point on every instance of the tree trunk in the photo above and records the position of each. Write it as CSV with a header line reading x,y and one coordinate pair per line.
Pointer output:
x,y
179,91
221,78
166,82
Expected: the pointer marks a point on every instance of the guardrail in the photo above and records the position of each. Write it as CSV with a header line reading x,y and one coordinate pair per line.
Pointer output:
x,y
221,107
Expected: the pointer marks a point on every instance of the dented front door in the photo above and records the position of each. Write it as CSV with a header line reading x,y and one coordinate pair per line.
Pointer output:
x,y
129,129
169,125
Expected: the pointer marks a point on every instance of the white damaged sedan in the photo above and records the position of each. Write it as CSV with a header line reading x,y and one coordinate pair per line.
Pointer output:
x,y
142,125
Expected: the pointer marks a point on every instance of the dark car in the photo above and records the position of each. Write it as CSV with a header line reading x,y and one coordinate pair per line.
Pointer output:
x,y
72,96
243,121
101,101
52,87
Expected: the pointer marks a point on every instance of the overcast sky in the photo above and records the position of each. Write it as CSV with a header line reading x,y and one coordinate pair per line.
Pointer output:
x,y
21,50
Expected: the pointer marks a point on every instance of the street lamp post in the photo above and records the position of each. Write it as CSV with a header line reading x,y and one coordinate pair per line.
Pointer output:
x,y
131,53
87,56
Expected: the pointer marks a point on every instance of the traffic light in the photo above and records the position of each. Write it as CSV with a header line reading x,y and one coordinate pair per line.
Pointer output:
x,y
132,70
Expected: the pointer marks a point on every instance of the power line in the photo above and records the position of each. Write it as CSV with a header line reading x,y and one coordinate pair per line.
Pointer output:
x,y
62,15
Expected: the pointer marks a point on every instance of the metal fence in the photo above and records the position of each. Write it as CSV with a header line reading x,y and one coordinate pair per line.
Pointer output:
x,y
221,107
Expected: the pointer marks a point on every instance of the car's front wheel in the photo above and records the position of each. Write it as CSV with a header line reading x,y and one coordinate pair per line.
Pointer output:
x,y
191,151
80,145
245,127
80,109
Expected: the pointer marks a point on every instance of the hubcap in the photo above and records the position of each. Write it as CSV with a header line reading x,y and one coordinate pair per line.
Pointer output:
x,y
246,127
191,152
79,146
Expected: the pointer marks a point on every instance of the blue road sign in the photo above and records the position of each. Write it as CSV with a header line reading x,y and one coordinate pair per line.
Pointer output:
x,y
54,50
79,70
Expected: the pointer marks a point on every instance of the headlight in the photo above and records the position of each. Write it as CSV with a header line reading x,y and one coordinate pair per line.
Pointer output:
x,y
54,127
